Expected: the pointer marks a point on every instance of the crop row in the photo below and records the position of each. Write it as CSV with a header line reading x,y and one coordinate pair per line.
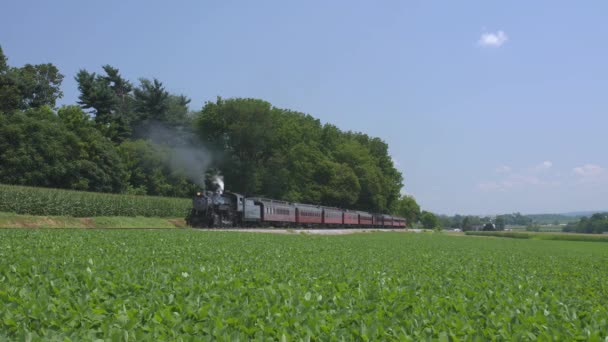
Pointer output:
x,y
186,285
544,236
44,201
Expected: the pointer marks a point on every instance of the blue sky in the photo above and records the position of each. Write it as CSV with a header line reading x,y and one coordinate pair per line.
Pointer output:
x,y
488,107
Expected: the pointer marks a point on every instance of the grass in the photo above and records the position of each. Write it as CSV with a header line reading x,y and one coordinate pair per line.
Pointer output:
x,y
544,236
12,220
124,285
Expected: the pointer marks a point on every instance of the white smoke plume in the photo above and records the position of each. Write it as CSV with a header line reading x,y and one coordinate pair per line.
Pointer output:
x,y
218,180
187,157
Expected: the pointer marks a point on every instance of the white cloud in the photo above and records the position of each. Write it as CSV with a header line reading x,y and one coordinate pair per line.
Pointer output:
x,y
591,174
532,176
503,169
493,39
589,170
544,165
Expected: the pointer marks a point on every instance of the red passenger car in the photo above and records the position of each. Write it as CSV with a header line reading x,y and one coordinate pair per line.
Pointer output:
x,y
308,215
387,221
332,216
365,219
350,218
395,222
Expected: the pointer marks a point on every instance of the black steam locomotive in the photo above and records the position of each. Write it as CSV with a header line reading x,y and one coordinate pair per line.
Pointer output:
x,y
217,209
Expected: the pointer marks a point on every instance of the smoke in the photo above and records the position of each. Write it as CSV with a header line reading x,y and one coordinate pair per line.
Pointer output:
x,y
187,156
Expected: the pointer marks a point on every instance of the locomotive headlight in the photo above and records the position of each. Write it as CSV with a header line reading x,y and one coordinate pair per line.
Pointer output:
x,y
198,194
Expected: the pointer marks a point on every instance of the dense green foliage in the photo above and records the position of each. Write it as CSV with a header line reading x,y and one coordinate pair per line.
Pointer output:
x,y
596,224
408,208
41,201
429,220
184,284
41,148
31,86
289,155
142,139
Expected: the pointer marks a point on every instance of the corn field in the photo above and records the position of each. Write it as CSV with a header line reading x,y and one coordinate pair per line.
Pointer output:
x,y
44,201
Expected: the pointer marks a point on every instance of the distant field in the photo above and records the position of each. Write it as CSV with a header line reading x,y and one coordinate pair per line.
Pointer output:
x,y
544,236
547,228
188,284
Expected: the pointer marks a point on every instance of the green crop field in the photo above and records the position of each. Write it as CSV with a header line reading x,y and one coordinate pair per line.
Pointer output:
x,y
44,201
193,285
544,236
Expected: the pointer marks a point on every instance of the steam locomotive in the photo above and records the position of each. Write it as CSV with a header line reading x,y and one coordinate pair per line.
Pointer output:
x,y
217,209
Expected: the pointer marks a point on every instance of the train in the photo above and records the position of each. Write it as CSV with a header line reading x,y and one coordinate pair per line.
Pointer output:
x,y
228,209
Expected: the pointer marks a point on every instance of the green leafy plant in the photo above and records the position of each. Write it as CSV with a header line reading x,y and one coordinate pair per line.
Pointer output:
x,y
192,285
44,201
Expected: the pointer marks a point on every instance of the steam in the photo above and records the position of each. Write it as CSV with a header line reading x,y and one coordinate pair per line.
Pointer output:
x,y
218,180
186,155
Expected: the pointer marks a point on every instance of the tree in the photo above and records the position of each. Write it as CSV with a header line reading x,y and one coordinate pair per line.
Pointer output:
x,y
457,221
110,99
40,148
466,224
500,223
408,208
149,170
284,154
3,61
596,224
242,130
31,86
151,101
40,85
429,220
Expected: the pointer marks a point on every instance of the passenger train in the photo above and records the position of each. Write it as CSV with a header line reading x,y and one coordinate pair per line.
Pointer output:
x,y
214,209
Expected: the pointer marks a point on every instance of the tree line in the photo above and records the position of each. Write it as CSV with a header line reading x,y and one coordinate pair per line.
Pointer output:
x,y
473,222
108,142
595,224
